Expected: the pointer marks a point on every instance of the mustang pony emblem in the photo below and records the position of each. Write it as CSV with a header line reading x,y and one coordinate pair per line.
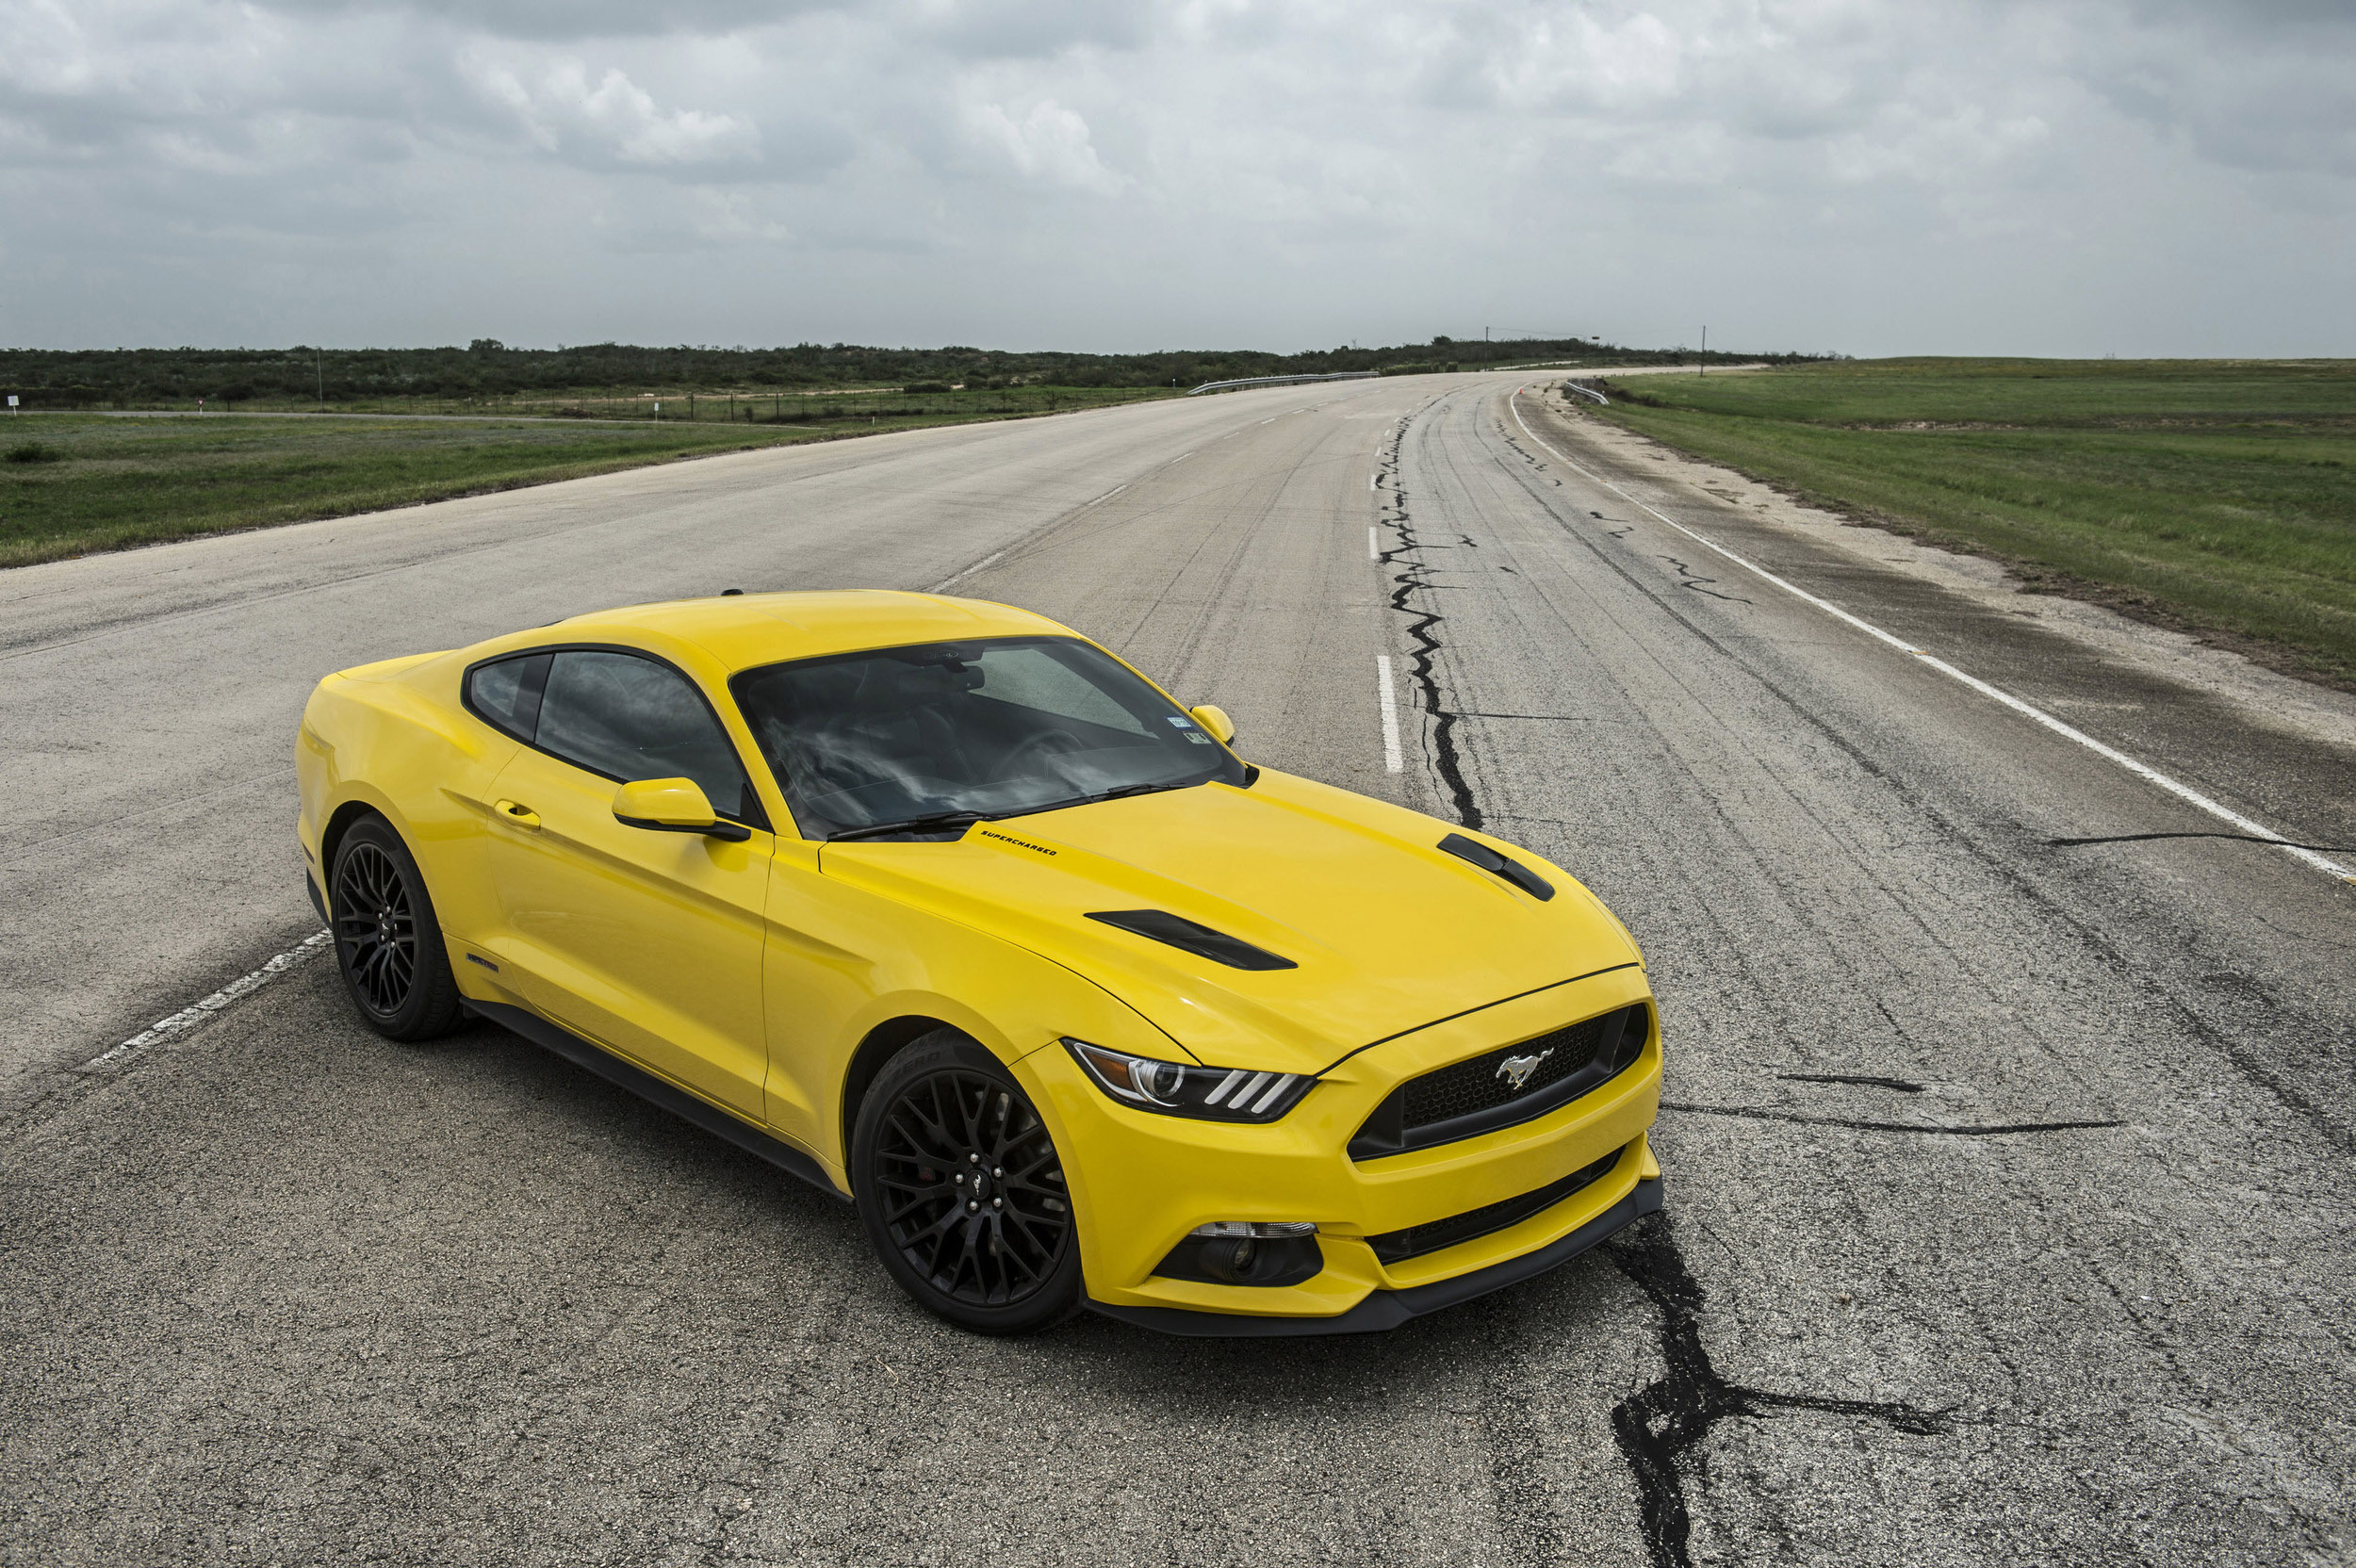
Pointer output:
x,y
1515,1070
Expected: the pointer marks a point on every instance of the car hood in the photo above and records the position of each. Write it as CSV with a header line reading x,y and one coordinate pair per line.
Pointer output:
x,y
1389,933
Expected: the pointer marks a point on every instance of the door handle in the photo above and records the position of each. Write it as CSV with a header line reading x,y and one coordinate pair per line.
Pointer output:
x,y
518,813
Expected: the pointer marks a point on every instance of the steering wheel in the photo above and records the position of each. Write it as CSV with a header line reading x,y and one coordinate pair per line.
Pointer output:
x,y
1032,750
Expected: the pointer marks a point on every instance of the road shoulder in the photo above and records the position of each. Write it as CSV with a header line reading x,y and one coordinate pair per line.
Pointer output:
x,y
2282,747
2270,698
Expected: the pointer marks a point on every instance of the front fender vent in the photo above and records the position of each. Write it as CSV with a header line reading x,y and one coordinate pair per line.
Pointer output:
x,y
1162,926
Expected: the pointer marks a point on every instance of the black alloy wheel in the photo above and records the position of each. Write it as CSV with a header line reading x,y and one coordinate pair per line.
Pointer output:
x,y
376,928
388,945
962,1191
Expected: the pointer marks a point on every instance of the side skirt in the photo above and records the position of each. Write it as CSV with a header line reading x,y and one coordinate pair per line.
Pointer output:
x,y
580,1053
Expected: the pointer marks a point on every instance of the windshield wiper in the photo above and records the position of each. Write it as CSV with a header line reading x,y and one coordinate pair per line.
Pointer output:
x,y
942,821
1116,793
938,822
1120,790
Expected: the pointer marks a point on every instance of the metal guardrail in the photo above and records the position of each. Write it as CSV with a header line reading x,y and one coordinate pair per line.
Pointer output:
x,y
1586,392
1280,381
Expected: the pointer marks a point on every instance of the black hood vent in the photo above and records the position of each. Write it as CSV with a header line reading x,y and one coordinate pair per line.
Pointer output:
x,y
1200,940
1490,860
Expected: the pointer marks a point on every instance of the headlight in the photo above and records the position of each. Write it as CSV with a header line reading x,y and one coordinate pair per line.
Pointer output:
x,y
1172,1088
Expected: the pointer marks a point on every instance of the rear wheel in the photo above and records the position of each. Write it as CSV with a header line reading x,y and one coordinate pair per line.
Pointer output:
x,y
962,1192
388,945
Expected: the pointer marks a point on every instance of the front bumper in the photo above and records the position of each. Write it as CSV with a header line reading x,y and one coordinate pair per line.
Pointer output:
x,y
1387,1309
1141,1182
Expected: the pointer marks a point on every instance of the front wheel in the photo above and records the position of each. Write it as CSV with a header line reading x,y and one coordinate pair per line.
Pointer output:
x,y
962,1192
388,945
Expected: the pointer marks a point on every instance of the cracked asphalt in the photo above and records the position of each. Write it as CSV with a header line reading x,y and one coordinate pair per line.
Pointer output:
x,y
2011,1101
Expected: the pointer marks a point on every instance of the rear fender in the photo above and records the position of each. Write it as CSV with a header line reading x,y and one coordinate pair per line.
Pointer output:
x,y
403,748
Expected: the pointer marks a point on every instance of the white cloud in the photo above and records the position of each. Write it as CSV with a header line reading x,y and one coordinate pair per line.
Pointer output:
x,y
1046,142
613,119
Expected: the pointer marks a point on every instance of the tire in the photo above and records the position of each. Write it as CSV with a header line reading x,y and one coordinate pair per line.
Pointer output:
x,y
388,945
962,1192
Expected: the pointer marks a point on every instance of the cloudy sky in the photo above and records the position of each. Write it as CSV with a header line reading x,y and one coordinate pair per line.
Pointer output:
x,y
1878,176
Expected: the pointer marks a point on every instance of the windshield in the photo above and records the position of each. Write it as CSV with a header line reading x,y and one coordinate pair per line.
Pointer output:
x,y
994,728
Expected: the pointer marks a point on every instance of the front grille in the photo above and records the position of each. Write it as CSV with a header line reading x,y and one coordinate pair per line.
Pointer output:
x,y
1414,1241
1480,1084
1466,1099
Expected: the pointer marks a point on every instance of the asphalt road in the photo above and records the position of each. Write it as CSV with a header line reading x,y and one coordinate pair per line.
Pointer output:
x,y
2008,1148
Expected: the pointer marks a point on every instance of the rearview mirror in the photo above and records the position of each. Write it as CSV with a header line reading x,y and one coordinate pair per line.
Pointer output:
x,y
1216,721
672,805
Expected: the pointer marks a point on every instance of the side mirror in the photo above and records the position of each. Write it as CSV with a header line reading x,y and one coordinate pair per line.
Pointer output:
x,y
1216,722
672,805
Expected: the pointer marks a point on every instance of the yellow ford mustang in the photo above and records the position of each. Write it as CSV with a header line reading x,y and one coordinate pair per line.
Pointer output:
x,y
945,908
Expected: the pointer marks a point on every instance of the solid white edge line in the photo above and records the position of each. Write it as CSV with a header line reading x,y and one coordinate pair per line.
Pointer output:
x,y
998,554
960,576
1392,760
2144,770
197,1012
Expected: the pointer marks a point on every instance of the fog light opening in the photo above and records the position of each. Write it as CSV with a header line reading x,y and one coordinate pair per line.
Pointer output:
x,y
1230,1260
1260,1253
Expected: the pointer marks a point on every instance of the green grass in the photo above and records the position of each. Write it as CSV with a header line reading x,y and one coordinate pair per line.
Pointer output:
x,y
2218,496
71,484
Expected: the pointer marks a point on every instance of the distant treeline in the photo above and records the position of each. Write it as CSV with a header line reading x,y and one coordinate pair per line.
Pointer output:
x,y
487,368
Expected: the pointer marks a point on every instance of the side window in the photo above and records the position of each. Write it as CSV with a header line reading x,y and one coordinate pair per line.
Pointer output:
x,y
506,696
630,718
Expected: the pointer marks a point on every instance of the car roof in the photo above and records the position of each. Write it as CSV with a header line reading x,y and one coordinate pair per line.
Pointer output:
x,y
744,630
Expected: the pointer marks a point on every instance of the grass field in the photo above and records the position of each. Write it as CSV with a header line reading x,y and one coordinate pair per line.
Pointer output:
x,y
71,484
2220,496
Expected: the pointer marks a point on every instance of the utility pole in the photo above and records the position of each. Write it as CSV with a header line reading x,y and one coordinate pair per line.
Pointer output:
x,y
1702,368
323,369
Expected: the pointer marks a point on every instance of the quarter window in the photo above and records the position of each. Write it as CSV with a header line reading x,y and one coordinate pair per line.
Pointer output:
x,y
506,696
630,718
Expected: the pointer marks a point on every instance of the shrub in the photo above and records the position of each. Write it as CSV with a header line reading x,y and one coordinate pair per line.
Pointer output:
x,y
31,451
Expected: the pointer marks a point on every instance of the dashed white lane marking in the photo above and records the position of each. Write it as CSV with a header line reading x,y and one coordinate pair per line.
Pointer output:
x,y
1392,760
2144,770
1180,458
1373,552
960,576
1105,496
189,1017
1374,483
